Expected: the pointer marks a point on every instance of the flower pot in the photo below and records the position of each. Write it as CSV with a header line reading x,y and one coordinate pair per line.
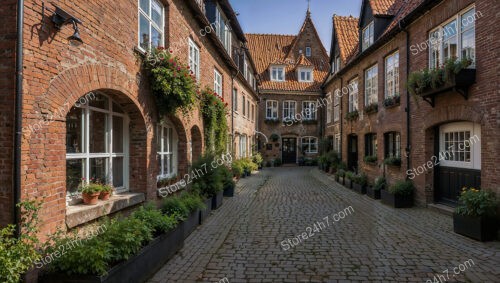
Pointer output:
x,y
205,213
217,200
348,183
190,224
342,180
481,228
138,268
90,199
396,201
371,192
229,191
104,195
360,189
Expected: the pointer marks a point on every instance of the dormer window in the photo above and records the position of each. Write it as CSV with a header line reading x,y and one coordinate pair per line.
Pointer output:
x,y
368,36
305,75
278,73
308,51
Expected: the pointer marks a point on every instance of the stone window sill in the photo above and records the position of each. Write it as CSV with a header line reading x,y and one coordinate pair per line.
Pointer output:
x,y
79,214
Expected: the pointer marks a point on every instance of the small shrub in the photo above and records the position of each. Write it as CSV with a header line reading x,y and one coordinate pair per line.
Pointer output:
x,y
154,219
380,183
257,159
371,159
210,182
477,203
350,175
402,188
393,161
351,116
277,162
360,179
174,206
340,173
192,201
227,177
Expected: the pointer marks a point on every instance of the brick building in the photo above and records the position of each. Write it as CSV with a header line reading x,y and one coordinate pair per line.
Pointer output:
x,y
291,68
87,109
446,137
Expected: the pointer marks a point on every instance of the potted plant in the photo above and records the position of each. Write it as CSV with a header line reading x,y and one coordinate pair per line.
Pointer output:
x,y
399,195
106,192
372,108
228,182
392,101
371,159
475,216
339,176
349,176
374,192
351,116
393,161
359,183
210,184
257,159
90,192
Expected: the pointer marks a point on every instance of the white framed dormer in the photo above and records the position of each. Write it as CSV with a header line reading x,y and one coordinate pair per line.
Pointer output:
x,y
368,36
305,75
277,73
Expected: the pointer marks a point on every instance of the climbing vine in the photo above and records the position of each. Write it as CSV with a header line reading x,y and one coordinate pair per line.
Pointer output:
x,y
214,111
173,83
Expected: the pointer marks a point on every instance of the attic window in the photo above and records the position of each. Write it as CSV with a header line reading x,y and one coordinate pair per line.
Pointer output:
x,y
368,36
305,75
308,51
278,74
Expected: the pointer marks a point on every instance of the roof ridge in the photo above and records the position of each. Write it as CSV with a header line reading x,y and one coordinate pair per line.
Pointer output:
x,y
271,34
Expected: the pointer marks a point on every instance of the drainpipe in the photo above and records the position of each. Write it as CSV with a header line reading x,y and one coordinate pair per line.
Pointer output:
x,y
18,114
407,109
340,117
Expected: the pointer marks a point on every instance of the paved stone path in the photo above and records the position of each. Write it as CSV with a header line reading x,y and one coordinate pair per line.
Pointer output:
x,y
242,240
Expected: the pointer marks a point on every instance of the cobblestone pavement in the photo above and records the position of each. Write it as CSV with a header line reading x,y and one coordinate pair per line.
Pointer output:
x,y
242,240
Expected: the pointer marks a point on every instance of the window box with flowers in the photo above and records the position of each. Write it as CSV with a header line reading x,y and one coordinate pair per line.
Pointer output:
x,y
272,120
454,75
371,109
476,215
392,101
371,159
352,116
393,161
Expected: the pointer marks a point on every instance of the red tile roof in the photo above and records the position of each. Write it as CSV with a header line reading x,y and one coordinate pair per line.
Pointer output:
x,y
346,31
383,7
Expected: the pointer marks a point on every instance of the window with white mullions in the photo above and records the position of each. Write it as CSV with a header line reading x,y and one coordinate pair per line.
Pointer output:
x,y
151,24
368,36
166,143
271,109
310,145
392,75
309,110
96,145
336,106
371,86
392,144
278,74
289,108
194,59
217,83
353,95
460,145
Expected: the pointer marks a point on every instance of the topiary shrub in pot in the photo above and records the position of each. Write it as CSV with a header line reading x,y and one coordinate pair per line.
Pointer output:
x,y
476,215
349,176
360,182
340,176
227,180
210,183
375,191
399,195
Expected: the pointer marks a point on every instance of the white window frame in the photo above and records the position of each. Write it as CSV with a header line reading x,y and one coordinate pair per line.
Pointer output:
x,y
313,109
392,75
275,73
87,155
329,109
353,95
308,51
308,75
336,106
455,148
273,106
243,146
336,143
235,100
368,38
194,59
309,141
218,83
171,152
152,24
371,85
289,111
436,38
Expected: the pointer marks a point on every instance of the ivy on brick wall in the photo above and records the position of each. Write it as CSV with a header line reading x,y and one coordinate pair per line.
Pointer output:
x,y
214,112
172,82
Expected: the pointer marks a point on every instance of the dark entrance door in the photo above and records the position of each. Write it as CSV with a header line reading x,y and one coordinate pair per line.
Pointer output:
x,y
451,180
352,152
289,150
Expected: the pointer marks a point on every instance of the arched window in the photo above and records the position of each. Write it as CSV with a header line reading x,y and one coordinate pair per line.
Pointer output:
x,y
96,143
167,144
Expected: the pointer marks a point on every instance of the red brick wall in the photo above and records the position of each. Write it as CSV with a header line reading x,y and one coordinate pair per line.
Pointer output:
x,y
7,90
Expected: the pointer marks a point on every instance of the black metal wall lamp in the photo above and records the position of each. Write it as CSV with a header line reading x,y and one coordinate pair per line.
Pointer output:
x,y
61,18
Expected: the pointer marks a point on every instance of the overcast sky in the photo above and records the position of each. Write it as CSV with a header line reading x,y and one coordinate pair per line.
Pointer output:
x,y
287,16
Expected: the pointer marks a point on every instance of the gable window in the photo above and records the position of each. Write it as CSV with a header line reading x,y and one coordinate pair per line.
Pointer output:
x,y
271,109
392,144
329,109
217,83
194,59
455,38
308,51
336,106
235,100
371,145
96,145
353,95
310,145
289,110
368,36
309,110
392,75
167,151
305,75
151,25
223,30
278,74
371,86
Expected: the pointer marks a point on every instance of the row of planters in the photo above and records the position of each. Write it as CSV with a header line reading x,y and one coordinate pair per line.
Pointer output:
x,y
244,167
475,216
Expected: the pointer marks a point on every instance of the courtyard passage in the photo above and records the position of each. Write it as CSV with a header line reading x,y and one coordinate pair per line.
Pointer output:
x,y
267,233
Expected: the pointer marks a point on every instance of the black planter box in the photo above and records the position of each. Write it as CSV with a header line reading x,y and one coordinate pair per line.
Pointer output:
x,y
348,183
217,200
478,228
337,178
190,224
342,180
138,268
374,194
205,213
396,201
359,188
229,192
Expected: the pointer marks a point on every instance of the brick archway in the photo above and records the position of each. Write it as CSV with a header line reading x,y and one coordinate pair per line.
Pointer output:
x,y
452,114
